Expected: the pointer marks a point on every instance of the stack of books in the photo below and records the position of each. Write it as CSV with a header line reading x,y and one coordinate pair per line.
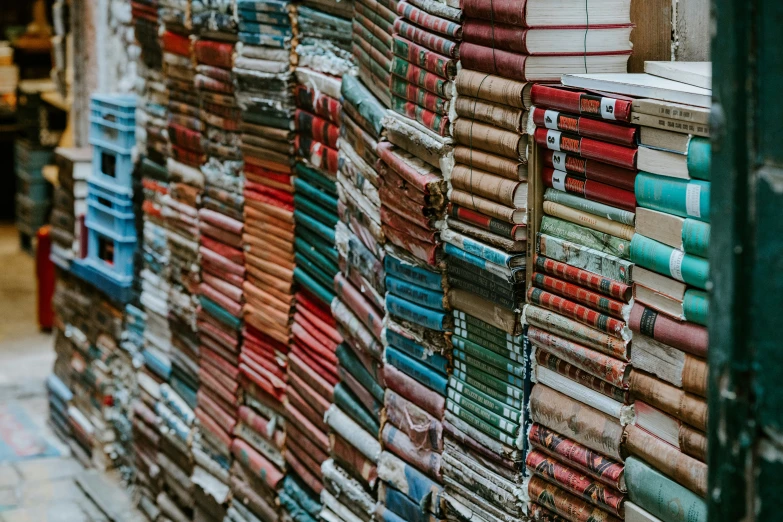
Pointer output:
x,y
428,36
220,219
180,212
579,301
69,204
373,27
358,310
485,259
668,384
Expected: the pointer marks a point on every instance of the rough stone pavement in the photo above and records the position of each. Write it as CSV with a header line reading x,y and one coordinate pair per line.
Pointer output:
x,y
44,489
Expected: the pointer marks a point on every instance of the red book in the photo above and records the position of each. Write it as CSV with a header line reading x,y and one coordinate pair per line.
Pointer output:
x,y
176,43
588,148
583,126
590,169
589,189
581,102
496,226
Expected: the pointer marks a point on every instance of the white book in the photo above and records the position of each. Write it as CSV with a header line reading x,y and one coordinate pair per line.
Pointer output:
x,y
698,74
642,86
634,513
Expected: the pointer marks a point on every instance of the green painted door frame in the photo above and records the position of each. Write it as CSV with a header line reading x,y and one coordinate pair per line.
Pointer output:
x,y
746,260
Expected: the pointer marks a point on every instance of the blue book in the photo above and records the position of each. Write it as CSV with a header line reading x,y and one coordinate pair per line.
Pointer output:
x,y
415,313
265,17
482,264
250,27
158,366
277,42
418,487
413,274
435,361
401,505
416,370
415,293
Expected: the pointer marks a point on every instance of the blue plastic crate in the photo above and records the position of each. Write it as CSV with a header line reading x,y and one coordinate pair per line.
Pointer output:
x,y
111,254
112,167
117,291
114,108
34,187
106,132
108,212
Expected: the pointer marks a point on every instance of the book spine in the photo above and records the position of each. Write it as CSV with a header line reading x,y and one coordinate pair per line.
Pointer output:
x,y
674,196
485,206
547,360
415,294
498,396
480,263
468,272
484,184
503,338
416,370
484,400
429,21
699,158
487,340
579,294
353,406
502,374
414,391
587,205
587,148
696,306
570,480
471,246
354,366
592,190
583,424
502,319
687,337
424,430
670,399
493,61
667,459
317,128
419,96
696,237
506,37
424,58
585,236
564,503
580,102
427,39
583,278
413,349
481,424
500,116
413,274
577,312
655,493
410,481
671,262
593,362
576,455
591,128
497,165
398,443
509,362
586,258
477,135
594,170
414,313
482,291
434,122
478,378
694,376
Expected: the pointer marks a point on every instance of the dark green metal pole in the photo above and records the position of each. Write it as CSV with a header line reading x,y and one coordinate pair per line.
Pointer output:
x,y
746,260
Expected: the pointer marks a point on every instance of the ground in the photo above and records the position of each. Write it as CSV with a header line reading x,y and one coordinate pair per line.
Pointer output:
x,y
42,487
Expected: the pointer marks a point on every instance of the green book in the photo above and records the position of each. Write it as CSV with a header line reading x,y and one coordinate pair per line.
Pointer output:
x,y
482,425
671,262
493,419
585,258
487,401
661,496
699,158
314,210
508,361
355,93
354,366
585,236
592,207
312,192
346,401
479,364
316,178
314,271
514,401
314,226
323,293
696,306
680,197
500,337
696,237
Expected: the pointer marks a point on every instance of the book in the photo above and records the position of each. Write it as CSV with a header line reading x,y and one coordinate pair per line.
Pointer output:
x,y
593,207
670,110
583,278
547,40
504,191
684,198
698,74
584,257
686,407
641,86
587,148
688,337
693,163
502,116
634,513
590,169
659,122
532,68
660,284
670,364
581,295
486,311
585,126
491,209
478,249
591,221
490,238
656,493
585,236
693,307
539,13
687,234
580,102
690,441
663,259
583,394
498,165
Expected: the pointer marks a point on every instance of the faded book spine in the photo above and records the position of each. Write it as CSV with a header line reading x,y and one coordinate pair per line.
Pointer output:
x,y
612,307
651,490
593,207
566,504
687,337
585,258
674,401
584,278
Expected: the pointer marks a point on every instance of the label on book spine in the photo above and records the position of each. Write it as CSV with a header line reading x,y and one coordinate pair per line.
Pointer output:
x,y
675,264
693,200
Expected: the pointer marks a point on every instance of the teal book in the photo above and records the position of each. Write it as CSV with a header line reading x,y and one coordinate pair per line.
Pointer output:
x,y
323,231
316,178
354,366
699,156
312,192
371,110
317,256
315,273
412,273
696,237
696,306
586,205
417,294
346,401
661,496
671,262
323,246
674,196
314,210
416,370
325,294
